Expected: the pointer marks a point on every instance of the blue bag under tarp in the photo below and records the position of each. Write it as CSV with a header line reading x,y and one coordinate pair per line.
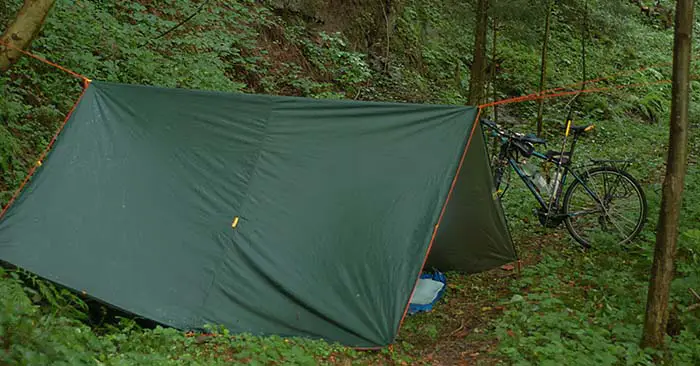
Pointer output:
x,y
428,292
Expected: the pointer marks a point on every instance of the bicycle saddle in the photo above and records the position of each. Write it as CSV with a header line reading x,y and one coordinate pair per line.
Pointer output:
x,y
533,139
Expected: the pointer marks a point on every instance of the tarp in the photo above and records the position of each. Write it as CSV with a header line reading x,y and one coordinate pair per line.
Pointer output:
x,y
473,235
264,214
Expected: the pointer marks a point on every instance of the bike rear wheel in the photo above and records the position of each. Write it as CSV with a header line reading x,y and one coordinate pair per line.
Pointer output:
x,y
609,207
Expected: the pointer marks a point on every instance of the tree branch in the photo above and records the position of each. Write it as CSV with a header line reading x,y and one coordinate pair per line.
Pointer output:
x,y
178,25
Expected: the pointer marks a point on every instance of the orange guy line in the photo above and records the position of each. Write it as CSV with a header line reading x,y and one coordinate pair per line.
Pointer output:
x,y
79,76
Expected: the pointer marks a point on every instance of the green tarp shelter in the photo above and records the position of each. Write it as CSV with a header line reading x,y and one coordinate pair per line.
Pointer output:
x,y
264,214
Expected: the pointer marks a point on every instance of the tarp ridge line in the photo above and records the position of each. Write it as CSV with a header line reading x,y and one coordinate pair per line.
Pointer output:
x,y
614,75
36,57
552,93
442,213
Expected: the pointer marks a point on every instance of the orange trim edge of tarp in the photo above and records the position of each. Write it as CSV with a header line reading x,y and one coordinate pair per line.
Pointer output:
x,y
442,213
40,160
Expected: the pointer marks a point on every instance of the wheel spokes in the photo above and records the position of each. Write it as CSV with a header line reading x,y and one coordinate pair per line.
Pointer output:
x,y
610,209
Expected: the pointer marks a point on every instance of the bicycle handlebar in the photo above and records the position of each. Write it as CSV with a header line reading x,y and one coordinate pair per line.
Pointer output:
x,y
498,131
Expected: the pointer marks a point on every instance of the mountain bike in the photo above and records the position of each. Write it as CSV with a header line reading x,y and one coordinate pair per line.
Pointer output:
x,y
603,203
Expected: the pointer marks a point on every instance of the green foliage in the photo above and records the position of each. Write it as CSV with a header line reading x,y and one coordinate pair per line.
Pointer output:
x,y
575,307
588,317
586,309
432,38
39,326
335,63
570,308
8,148
331,57
31,336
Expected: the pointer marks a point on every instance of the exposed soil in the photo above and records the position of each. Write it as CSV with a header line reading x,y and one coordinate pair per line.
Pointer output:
x,y
460,330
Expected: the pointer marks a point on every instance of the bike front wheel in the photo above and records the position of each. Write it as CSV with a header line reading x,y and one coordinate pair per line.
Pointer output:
x,y
607,205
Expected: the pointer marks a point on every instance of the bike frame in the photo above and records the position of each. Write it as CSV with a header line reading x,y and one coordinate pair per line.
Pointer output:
x,y
564,167
531,185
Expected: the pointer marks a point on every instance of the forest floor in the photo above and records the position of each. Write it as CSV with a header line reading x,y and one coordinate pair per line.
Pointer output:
x,y
460,330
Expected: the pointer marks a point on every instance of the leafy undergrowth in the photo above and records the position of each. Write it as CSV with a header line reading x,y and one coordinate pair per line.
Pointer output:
x,y
566,306
587,307
40,325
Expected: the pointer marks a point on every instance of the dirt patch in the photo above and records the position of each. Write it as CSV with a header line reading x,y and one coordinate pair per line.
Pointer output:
x,y
461,328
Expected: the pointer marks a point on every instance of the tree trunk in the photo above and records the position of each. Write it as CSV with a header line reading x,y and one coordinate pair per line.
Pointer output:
x,y
494,67
386,8
543,69
476,82
656,317
23,30
584,36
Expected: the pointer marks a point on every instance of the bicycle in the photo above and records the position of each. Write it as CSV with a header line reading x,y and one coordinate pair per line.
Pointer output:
x,y
591,208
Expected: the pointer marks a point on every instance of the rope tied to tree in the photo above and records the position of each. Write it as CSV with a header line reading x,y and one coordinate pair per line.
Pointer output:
x,y
84,78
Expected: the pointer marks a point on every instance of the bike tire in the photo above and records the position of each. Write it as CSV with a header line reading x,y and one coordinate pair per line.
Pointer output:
x,y
629,179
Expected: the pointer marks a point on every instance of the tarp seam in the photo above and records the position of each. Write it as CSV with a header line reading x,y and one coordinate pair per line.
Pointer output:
x,y
244,199
267,278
